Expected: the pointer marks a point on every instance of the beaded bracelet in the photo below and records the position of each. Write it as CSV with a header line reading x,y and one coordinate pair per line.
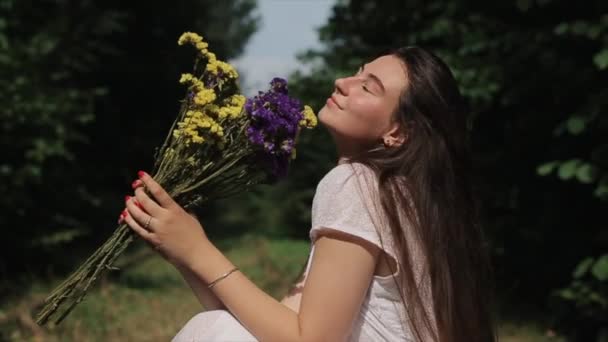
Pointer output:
x,y
222,277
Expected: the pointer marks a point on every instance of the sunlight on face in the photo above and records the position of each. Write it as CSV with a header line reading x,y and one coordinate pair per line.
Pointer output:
x,y
359,111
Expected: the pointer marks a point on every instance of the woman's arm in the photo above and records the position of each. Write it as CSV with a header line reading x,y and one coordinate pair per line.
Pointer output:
x,y
205,296
210,301
293,298
340,273
207,299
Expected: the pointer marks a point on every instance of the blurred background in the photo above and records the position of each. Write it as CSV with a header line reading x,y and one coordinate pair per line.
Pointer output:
x,y
89,89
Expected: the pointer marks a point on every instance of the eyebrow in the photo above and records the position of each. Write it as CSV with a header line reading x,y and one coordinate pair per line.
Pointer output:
x,y
374,78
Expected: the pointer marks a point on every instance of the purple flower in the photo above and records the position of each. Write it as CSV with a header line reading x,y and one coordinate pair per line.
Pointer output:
x,y
255,136
279,85
269,147
274,120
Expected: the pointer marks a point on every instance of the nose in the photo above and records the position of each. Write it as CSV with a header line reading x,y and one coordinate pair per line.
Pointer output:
x,y
341,86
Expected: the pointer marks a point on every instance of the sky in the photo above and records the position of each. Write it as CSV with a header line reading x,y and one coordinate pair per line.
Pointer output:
x,y
286,28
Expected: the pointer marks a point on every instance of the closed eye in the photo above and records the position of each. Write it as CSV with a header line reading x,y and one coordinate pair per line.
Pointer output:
x,y
364,86
372,77
364,83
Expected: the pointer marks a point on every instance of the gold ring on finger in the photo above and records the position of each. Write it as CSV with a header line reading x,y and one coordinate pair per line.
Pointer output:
x,y
148,222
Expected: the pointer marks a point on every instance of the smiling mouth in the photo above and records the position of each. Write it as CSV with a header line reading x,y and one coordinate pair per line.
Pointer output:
x,y
333,102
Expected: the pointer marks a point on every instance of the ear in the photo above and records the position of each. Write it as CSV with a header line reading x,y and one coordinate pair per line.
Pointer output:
x,y
394,136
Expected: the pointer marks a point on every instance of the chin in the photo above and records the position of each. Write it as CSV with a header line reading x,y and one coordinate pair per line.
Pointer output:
x,y
324,117
328,119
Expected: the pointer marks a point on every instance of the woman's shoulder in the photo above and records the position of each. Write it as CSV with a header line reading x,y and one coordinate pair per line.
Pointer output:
x,y
345,173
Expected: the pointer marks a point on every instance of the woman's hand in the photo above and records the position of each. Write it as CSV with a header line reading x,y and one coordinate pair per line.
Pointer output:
x,y
163,224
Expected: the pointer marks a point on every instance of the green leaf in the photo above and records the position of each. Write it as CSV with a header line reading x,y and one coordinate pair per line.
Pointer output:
x,y
566,294
598,298
602,188
587,173
582,267
575,125
601,59
546,168
579,27
568,169
600,269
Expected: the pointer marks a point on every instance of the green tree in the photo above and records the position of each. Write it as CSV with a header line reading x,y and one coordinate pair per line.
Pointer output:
x,y
89,90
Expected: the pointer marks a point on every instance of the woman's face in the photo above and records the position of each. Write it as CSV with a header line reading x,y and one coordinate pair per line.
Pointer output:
x,y
358,113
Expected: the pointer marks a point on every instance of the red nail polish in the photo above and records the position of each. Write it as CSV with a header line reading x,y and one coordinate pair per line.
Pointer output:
x,y
138,204
140,174
135,183
127,198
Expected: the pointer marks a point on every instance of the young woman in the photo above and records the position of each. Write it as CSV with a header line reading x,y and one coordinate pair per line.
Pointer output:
x,y
397,253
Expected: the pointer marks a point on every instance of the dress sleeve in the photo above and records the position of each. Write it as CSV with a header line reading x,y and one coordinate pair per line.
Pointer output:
x,y
346,201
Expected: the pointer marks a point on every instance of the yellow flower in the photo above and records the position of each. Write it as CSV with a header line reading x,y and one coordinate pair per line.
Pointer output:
x,y
224,112
212,110
310,119
228,70
211,58
186,78
189,37
237,100
202,47
196,123
204,96
214,67
196,84
233,108
194,39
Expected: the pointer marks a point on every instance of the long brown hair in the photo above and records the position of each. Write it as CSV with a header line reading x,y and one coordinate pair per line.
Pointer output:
x,y
429,180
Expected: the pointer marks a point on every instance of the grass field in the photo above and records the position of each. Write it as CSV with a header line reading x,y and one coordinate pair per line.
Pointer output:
x,y
150,302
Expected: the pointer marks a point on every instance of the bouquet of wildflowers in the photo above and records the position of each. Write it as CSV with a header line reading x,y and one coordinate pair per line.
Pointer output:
x,y
219,145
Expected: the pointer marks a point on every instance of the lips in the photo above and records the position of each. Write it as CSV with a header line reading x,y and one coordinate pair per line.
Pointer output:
x,y
334,101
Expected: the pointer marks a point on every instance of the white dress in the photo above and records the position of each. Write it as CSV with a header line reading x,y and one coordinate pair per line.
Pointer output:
x,y
343,201
214,326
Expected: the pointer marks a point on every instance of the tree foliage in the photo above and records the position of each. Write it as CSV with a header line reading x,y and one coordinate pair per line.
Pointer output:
x,y
89,89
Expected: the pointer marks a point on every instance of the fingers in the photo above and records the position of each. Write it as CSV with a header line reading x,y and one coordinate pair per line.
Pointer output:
x,y
137,183
142,218
147,204
150,206
158,193
139,230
